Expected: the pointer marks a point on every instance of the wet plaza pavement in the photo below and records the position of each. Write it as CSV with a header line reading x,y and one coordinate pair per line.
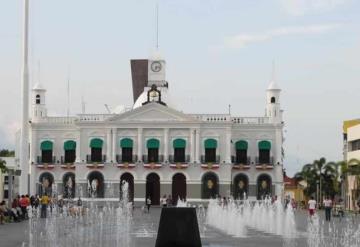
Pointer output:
x,y
144,232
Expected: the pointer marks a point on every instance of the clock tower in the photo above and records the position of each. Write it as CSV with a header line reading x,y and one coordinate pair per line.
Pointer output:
x,y
156,72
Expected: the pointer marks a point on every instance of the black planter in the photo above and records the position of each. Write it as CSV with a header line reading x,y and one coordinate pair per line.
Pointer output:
x,y
178,227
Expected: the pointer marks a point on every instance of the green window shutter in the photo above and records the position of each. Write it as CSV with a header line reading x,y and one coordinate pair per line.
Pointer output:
x,y
153,143
241,145
179,143
264,145
69,145
46,145
96,143
210,143
126,143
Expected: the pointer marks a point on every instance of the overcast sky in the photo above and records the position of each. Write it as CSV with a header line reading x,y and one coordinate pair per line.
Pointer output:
x,y
218,52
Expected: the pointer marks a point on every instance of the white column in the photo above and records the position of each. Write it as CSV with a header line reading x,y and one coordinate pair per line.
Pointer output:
x,y
114,144
197,148
192,145
228,146
108,145
140,144
166,144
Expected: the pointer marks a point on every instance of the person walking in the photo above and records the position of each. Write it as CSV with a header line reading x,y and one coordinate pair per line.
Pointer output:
x,y
311,206
328,206
44,203
164,201
148,204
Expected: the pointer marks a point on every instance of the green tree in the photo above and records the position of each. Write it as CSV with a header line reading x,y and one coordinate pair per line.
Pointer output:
x,y
3,167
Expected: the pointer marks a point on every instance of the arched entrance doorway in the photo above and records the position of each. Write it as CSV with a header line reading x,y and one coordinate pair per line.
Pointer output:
x,y
127,177
263,186
241,186
178,187
153,188
69,185
96,185
209,185
46,181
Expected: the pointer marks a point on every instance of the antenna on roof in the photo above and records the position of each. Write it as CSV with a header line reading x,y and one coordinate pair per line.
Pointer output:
x,y
157,25
68,93
82,105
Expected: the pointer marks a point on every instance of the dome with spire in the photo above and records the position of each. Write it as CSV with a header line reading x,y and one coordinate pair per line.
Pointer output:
x,y
38,86
273,86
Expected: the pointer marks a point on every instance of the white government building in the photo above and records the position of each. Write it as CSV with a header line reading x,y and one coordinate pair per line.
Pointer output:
x,y
157,149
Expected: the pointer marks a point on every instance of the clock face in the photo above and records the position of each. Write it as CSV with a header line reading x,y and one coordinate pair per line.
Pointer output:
x,y
156,66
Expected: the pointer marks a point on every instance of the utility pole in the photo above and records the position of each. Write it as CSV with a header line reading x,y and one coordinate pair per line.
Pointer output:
x,y
24,137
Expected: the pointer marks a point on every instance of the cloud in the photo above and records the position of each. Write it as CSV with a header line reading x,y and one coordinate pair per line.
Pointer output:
x,y
303,7
241,40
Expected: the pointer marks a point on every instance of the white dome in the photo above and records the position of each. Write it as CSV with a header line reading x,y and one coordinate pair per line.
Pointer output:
x,y
118,109
273,86
38,86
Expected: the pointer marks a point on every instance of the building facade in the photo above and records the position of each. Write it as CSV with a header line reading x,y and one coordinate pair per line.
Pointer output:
x,y
351,154
157,149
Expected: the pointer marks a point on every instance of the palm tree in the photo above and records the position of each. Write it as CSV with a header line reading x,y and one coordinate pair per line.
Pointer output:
x,y
307,174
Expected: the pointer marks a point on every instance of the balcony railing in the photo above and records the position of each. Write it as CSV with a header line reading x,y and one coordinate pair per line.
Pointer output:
x,y
239,161
160,159
89,160
62,161
123,159
40,160
204,159
269,161
172,159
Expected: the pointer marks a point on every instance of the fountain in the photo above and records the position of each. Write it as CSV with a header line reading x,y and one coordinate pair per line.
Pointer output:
x,y
83,225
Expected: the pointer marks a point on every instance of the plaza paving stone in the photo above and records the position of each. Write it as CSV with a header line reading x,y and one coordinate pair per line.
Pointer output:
x,y
145,229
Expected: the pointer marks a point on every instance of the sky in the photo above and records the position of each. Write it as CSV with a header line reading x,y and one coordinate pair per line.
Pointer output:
x,y
222,49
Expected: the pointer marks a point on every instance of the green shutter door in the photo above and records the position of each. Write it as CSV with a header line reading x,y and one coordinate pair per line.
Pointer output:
x,y
210,143
153,143
69,145
264,145
179,143
96,143
46,145
241,145
126,143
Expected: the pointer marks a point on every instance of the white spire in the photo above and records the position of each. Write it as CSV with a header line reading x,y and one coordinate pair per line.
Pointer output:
x,y
273,85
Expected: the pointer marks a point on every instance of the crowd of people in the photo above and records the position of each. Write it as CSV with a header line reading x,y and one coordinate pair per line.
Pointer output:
x,y
18,210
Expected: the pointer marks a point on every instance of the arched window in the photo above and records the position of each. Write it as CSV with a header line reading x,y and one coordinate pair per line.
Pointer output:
x,y
46,181
272,100
241,152
96,185
241,186
37,99
179,150
47,152
264,186
210,151
70,151
96,150
264,152
153,150
209,184
126,145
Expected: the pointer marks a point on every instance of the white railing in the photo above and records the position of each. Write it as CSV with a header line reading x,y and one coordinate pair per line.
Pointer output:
x,y
212,117
57,120
94,117
250,120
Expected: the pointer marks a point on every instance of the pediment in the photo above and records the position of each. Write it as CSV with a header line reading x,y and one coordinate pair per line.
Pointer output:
x,y
153,112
